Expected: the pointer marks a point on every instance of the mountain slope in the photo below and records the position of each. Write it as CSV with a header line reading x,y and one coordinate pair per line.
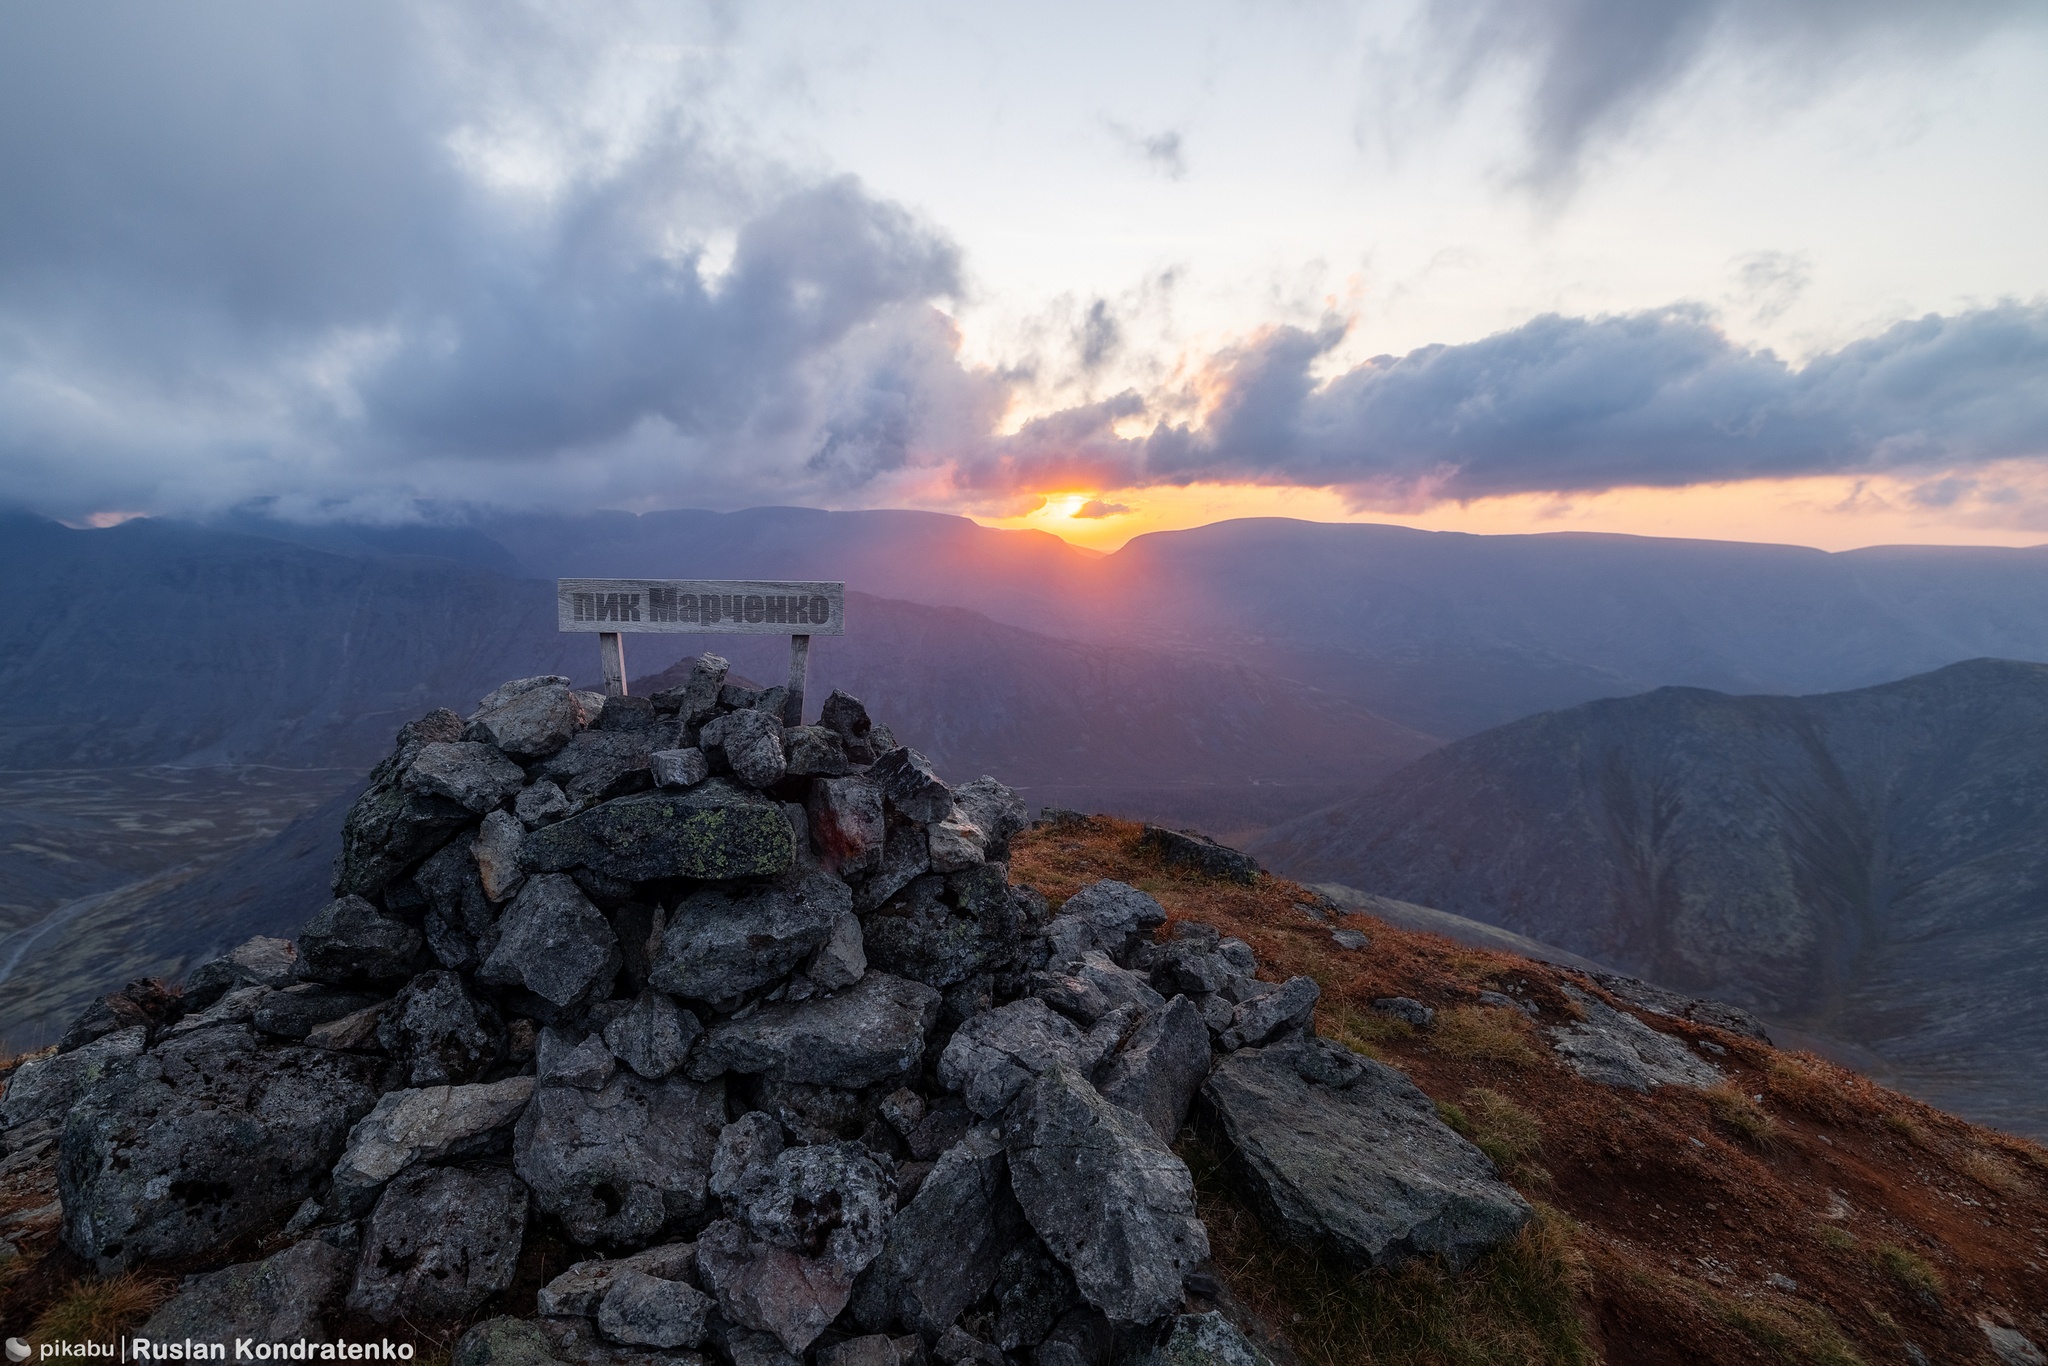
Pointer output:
x,y
1867,865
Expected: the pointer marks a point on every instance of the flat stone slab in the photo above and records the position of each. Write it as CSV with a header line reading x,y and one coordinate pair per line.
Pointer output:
x,y
1340,1151
1614,1048
715,830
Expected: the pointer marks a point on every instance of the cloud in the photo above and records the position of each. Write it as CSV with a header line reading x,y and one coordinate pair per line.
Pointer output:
x,y
1095,508
1660,398
1592,69
1161,152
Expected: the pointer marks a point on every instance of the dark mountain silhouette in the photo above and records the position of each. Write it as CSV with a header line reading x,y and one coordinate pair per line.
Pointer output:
x,y
1866,865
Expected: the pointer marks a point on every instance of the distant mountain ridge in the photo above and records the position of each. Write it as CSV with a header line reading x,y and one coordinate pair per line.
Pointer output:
x,y
1867,864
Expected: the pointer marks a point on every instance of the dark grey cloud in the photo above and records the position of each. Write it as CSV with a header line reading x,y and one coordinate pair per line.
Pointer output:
x,y
1594,67
1161,152
248,243
1661,398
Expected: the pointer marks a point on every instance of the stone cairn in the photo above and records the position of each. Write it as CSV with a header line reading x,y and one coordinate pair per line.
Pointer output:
x,y
752,1017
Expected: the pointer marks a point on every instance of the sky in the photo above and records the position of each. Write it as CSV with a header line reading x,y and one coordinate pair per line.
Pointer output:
x,y
1751,269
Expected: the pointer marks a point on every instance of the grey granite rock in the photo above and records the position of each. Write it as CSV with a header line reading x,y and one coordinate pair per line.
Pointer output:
x,y
1160,1068
694,700
911,787
1405,1008
281,1298
996,811
721,942
994,1056
257,962
201,1141
460,922
441,1242
845,713
1614,1048
296,1010
503,1341
1191,849
917,935
426,1125
956,843
390,828
553,942
846,824
496,849
532,724
350,1033
654,1036
441,1032
1206,1340
648,1311
1272,1014
543,803
852,1038
943,1250
620,1165
715,830
678,768
352,943
815,751
1188,967
906,856
601,764
1365,1168
42,1091
470,774
506,691
1117,915
1110,1200
748,742
842,959
581,1288
586,1065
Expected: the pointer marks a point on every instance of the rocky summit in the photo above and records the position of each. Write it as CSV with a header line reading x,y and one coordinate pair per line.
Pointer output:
x,y
751,1019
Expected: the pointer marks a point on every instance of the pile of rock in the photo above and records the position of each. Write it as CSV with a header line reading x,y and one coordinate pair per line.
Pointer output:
x,y
752,1016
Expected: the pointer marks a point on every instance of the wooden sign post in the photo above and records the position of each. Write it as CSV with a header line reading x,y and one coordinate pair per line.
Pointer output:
x,y
611,608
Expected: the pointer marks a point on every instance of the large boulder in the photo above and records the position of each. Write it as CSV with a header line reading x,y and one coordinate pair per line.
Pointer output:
x,y
282,1298
531,724
722,942
208,1138
651,1311
426,1125
943,1249
873,1029
1614,1048
442,1241
297,1010
694,700
715,830
554,943
256,962
1339,1151
601,764
750,743
620,1164
41,1092
1109,1198
1107,915
911,787
473,775
1160,1068
460,920
1192,849
352,943
996,1054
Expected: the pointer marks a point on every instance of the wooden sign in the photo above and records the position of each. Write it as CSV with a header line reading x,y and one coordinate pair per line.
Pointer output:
x,y
611,608
746,607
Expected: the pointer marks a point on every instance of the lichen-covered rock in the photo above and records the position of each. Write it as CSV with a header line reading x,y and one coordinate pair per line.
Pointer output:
x,y
473,775
1109,1198
621,1164
1343,1152
553,942
41,1092
654,1037
716,830
910,786
1206,1340
853,1038
279,1299
426,1125
206,1139
441,1242
441,1032
352,943
504,1341
943,1248
531,724
722,942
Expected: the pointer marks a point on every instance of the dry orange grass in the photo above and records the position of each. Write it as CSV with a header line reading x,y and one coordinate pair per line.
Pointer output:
x,y
100,1310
